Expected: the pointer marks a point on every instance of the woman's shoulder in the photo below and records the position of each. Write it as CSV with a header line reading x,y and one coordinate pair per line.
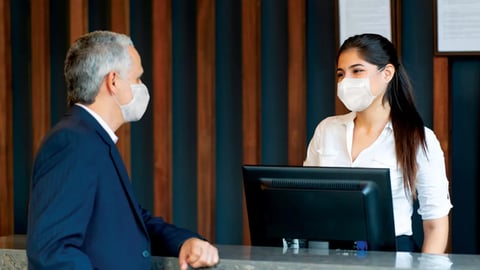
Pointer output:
x,y
430,134
432,141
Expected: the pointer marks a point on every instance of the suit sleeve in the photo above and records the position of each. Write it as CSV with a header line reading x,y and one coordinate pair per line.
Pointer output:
x,y
61,203
166,238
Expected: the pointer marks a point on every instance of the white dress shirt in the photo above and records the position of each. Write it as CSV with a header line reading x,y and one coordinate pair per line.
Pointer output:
x,y
331,145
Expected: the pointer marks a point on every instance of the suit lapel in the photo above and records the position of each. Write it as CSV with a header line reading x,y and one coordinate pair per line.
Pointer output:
x,y
79,112
127,186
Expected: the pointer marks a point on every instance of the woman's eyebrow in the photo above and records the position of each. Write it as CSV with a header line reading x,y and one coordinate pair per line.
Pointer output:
x,y
351,67
355,65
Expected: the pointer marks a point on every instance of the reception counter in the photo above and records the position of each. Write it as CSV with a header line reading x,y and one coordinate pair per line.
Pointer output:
x,y
12,256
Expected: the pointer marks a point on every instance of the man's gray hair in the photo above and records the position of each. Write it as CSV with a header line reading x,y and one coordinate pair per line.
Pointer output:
x,y
90,59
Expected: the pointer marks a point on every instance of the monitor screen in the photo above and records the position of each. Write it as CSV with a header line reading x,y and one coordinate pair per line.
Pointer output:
x,y
344,206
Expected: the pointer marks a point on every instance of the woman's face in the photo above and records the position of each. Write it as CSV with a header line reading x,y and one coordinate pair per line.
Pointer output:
x,y
350,65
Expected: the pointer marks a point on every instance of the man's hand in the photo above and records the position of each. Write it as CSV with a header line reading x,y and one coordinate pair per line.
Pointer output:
x,y
197,253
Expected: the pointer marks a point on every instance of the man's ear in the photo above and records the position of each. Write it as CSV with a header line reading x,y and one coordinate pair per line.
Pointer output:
x,y
389,71
110,81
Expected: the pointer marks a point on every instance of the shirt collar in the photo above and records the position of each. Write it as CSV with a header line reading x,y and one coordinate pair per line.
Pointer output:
x,y
347,119
101,122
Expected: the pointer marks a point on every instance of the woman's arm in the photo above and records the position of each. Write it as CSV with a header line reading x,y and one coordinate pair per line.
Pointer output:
x,y
435,235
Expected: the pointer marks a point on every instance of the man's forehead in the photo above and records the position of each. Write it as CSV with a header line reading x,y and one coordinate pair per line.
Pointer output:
x,y
136,60
134,53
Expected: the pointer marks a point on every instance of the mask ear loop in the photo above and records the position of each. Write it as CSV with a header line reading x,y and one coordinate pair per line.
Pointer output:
x,y
391,86
391,94
380,69
116,75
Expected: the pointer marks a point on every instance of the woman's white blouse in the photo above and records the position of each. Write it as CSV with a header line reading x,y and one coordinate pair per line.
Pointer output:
x,y
331,145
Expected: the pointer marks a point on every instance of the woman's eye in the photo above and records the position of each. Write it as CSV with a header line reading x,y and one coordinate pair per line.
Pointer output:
x,y
356,71
339,75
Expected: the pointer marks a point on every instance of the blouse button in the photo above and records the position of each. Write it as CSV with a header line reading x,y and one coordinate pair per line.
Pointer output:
x,y
145,253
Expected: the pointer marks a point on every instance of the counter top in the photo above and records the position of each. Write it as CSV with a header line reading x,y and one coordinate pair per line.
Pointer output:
x,y
248,257
12,256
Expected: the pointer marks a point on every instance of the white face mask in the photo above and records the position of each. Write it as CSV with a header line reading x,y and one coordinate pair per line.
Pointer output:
x,y
134,110
355,93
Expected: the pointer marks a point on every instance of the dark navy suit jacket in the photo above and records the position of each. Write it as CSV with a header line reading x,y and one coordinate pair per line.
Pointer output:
x,y
83,213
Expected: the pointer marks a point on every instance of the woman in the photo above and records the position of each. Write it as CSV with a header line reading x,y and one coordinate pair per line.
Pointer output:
x,y
384,129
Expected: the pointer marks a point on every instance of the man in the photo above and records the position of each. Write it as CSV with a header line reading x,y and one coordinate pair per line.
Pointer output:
x,y
83,213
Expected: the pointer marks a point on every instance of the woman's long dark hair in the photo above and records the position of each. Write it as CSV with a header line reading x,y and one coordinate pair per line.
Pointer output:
x,y
408,126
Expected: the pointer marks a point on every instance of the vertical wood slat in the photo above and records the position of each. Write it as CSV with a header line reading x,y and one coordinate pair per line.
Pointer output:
x,y
120,23
78,19
206,117
297,93
442,112
40,70
162,108
441,104
6,132
397,25
251,91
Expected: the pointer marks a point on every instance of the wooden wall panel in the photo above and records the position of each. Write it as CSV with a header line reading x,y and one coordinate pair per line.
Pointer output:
x,y
442,114
120,23
78,19
251,90
40,70
297,92
441,104
206,118
162,108
6,132
120,16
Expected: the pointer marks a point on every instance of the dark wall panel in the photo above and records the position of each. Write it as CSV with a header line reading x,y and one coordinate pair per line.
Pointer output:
x,y
22,120
142,131
274,64
321,50
228,123
184,113
98,15
59,44
465,161
417,53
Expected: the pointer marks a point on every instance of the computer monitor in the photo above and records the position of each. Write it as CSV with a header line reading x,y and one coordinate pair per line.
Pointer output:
x,y
343,206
